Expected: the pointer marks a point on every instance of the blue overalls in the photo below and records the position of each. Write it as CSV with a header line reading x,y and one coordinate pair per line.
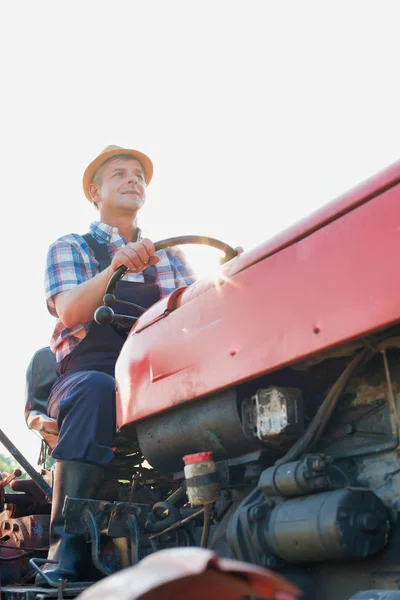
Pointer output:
x,y
83,397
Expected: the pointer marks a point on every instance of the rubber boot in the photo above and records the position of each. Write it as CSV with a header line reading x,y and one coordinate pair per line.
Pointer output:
x,y
75,480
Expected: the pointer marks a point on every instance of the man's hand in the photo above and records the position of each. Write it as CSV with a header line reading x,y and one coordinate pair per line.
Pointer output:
x,y
238,249
77,305
136,256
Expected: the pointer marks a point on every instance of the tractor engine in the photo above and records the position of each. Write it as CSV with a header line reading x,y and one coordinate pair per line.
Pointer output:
x,y
307,472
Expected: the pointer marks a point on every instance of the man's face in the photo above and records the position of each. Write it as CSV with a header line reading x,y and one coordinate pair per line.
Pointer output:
x,y
122,188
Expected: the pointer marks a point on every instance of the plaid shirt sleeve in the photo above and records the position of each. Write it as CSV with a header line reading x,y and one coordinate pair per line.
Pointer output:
x,y
173,271
183,273
67,266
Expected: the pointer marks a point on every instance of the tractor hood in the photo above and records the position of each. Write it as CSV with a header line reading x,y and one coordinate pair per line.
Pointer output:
x,y
326,280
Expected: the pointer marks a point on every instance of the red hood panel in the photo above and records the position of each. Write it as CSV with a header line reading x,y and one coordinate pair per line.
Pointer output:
x,y
324,282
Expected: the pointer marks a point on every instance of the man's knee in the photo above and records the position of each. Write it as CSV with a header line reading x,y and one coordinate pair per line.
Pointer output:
x,y
100,391
91,392
100,383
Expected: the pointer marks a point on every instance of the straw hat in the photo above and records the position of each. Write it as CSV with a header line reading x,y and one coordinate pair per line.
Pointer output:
x,y
108,152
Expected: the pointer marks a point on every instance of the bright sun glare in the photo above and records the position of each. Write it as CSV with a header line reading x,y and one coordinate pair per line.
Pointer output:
x,y
205,261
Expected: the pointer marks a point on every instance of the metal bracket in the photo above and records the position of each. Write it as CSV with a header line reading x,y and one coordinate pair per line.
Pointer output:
x,y
116,519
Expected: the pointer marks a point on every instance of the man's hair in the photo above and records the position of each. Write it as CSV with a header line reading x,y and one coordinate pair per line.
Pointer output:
x,y
97,178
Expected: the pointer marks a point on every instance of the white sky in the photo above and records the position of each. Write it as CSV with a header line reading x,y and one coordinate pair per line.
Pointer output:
x,y
255,113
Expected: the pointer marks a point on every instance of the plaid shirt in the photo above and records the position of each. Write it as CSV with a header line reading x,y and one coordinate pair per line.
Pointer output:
x,y
71,262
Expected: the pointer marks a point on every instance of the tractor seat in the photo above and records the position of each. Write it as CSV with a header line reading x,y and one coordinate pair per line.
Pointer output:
x,y
40,376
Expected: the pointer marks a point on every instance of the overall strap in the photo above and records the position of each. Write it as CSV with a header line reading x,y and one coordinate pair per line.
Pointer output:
x,y
100,251
103,258
150,274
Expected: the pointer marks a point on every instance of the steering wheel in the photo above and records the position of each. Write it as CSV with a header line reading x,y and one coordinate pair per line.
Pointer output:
x,y
104,315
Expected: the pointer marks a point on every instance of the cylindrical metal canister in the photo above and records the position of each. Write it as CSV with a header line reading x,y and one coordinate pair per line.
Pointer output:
x,y
335,525
201,478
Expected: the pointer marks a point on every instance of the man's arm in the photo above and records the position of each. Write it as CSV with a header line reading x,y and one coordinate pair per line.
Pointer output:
x,y
76,306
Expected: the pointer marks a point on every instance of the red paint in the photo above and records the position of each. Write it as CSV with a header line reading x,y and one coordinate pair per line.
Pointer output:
x,y
191,459
195,573
329,279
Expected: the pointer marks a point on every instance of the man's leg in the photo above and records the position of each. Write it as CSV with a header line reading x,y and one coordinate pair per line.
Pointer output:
x,y
84,405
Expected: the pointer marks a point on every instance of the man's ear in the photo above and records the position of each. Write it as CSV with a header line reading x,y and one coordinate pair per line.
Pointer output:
x,y
94,194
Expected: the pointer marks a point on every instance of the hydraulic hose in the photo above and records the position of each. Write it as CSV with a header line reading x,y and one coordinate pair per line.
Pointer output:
x,y
325,411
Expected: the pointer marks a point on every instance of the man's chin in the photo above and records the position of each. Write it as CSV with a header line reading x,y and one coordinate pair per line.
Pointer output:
x,y
133,204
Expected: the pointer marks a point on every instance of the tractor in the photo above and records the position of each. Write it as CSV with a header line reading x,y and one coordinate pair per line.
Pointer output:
x,y
258,416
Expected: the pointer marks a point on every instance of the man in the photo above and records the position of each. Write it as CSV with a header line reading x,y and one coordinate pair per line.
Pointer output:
x,y
83,398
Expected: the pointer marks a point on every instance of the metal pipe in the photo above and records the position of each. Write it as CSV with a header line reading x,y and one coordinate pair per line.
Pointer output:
x,y
178,524
206,526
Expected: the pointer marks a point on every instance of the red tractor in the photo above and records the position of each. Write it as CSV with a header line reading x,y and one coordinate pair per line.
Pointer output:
x,y
258,415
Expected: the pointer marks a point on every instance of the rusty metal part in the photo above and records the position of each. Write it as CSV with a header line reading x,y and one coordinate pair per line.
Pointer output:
x,y
206,526
297,478
197,573
10,478
30,592
60,584
30,532
134,485
322,417
117,520
108,515
177,524
26,498
178,495
60,587
274,415
392,401
15,453
94,532
325,411
163,515
21,538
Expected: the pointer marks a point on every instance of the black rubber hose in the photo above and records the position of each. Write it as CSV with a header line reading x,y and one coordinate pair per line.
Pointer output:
x,y
321,418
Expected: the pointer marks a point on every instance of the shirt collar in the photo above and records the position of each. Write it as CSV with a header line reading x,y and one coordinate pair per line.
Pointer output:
x,y
108,232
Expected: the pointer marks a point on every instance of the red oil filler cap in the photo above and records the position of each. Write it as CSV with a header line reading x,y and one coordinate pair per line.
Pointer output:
x,y
201,476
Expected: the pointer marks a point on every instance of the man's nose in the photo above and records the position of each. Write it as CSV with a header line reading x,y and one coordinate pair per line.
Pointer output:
x,y
133,179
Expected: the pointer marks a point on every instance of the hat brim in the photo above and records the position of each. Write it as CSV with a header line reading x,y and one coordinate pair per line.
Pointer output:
x,y
144,160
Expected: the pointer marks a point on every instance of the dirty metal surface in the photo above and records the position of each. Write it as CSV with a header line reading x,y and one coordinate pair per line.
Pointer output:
x,y
31,592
